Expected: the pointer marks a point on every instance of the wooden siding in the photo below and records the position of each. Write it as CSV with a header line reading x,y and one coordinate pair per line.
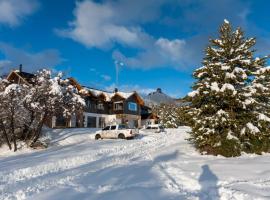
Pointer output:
x,y
131,99
93,108
109,106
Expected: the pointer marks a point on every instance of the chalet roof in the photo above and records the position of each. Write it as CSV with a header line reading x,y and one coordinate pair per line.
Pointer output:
x,y
109,95
98,93
26,77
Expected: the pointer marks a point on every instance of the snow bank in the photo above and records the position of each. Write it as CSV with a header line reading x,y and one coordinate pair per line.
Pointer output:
x,y
70,136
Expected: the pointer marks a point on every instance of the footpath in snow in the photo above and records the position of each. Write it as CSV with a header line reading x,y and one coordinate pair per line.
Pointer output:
x,y
152,166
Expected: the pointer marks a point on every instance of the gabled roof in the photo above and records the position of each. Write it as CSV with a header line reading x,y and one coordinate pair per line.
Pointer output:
x,y
110,95
24,76
75,83
107,95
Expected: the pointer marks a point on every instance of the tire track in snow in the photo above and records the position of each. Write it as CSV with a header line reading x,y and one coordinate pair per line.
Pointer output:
x,y
124,154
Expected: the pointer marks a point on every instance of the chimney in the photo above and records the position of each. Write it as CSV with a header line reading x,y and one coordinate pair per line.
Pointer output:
x,y
20,68
159,90
115,90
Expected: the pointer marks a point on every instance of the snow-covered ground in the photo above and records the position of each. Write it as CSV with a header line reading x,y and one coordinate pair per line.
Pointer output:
x,y
153,166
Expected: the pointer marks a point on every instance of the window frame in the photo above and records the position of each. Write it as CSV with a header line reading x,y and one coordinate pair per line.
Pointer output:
x,y
117,104
130,104
100,106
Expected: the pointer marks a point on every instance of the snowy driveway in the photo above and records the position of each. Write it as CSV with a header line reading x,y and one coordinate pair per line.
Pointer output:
x,y
153,166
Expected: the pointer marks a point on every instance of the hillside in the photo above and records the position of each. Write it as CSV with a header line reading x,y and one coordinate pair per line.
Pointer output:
x,y
153,166
158,97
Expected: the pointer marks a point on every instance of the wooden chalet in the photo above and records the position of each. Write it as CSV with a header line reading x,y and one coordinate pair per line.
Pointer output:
x,y
102,107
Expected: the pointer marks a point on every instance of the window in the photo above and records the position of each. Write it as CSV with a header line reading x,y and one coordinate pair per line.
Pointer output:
x,y
132,106
60,121
113,127
88,103
91,122
106,128
122,126
118,105
100,106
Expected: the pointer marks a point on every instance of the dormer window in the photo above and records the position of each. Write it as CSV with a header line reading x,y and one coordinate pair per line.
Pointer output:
x,y
100,106
118,105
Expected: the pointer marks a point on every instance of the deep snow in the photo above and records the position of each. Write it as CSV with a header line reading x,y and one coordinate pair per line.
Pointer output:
x,y
153,166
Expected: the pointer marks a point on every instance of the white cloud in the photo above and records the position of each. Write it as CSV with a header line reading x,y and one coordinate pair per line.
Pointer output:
x,y
130,88
121,23
105,77
100,25
12,12
171,48
163,52
30,61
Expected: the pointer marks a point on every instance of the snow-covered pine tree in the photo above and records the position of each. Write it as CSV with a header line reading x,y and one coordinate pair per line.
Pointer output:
x,y
171,115
222,114
259,91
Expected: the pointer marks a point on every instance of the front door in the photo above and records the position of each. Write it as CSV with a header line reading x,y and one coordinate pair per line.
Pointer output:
x,y
91,122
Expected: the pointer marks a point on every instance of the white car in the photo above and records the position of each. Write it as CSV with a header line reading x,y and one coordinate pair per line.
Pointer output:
x,y
116,131
155,128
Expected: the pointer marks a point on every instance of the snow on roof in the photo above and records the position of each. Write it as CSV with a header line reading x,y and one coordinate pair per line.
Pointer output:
x,y
125,94
108,95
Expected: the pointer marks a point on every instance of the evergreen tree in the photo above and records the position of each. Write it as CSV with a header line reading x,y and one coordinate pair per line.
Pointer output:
x,y
171,115
259,90
223,104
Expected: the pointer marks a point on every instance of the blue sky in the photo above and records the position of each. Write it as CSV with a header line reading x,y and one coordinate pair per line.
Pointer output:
x,y
160,42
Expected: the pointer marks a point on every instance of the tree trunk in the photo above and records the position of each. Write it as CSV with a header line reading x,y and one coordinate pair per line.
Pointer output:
x,y
5,135
39,128
27,134
13,131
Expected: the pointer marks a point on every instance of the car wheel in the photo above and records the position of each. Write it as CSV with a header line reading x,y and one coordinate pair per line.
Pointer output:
x,y
121,136
97,137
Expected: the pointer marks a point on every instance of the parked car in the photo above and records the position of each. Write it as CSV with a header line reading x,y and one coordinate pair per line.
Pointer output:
x,y
116,131
155,128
